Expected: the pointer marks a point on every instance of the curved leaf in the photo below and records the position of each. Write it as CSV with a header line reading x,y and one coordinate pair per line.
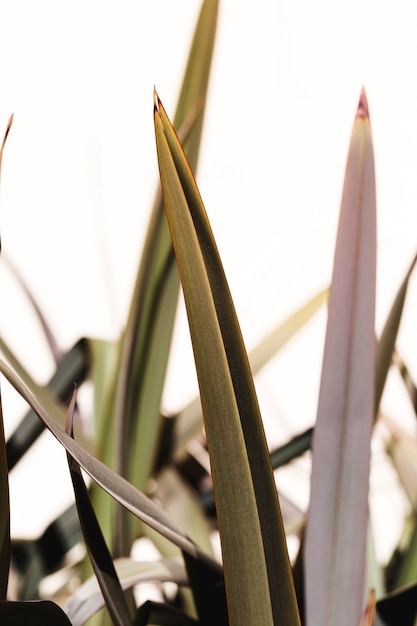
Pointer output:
x,y
88,598
42,613
115,485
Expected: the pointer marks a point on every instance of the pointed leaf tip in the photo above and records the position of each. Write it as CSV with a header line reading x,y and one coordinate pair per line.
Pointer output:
x,y
363,106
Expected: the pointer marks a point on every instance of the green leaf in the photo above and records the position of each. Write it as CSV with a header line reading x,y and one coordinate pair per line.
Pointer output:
x,y
386,344
96,546
148,333
121,490
246,499
336,531
43,613
409,383
5,513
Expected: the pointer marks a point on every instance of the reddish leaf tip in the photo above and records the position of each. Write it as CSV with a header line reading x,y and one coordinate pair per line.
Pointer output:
x,y
156,101
363,106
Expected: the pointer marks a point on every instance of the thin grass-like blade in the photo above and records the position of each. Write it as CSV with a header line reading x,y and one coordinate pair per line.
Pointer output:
x,y
336,532
96,546
148,333
121,490
88,598
47,330
247,505
386,344
5,513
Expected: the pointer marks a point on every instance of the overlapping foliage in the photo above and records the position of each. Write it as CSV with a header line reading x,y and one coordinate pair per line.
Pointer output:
x,y
255,583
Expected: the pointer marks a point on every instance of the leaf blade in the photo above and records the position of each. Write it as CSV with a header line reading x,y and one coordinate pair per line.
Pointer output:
x,y
337,521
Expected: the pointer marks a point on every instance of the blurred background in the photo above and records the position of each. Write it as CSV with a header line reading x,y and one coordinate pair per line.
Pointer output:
x,y
79,176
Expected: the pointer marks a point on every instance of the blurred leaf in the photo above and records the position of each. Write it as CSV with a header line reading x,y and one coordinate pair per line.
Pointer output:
x,y
36,558
104,371
47,331
6,134
337,523
73,368
368,616
208,593
43,613
121,490
402,449
154,614
148,333
386,344
399,607
88,598
5,513
246,499
408,381
96,546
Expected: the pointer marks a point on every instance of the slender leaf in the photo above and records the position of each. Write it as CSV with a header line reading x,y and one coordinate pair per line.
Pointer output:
x,y
88,598
408,381
148,333
402,449
336,531
121,490
386,344
5,513
96,546
246,499
47,330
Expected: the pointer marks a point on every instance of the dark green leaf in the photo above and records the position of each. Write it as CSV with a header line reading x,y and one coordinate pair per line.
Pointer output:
x,y
96,546
43,613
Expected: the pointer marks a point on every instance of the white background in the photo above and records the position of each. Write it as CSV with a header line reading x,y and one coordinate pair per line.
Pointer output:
x,y
79,175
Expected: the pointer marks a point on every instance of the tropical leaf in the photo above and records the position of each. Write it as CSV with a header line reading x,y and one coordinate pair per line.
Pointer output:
x,y
336,534
246,500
